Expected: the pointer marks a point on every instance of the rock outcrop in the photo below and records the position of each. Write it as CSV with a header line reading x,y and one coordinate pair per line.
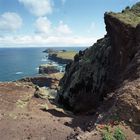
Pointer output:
x,y
51,80
48,69
50,50
109,66
44,93
62,57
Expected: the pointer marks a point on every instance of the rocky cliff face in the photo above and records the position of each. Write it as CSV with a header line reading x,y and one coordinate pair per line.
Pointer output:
x,y
84,78
103,68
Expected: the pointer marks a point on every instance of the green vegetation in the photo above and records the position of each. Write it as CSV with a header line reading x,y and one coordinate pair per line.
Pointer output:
x,y
66,55
107,136
129,16
118,134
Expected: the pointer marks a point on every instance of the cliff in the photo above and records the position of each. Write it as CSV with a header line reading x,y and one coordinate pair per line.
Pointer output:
x,y
110,66
48,69
62,57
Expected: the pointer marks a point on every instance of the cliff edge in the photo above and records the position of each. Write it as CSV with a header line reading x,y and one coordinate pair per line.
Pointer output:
x,y
110,66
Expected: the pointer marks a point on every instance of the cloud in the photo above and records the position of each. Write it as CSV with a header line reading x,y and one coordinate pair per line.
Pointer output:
x,y
47,35
63,29
43,25
10,21
38,7
42,40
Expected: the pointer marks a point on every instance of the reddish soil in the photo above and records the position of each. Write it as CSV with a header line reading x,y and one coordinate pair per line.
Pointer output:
x,y
30,122
21,118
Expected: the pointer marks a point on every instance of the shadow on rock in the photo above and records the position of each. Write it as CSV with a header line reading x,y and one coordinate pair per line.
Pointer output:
x,y
57,113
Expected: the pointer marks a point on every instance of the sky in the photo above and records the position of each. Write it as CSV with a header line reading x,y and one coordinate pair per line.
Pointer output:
x,y
46,23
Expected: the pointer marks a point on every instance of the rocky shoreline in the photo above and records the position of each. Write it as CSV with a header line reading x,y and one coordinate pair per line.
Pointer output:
x,y
48,69
61,56
50,73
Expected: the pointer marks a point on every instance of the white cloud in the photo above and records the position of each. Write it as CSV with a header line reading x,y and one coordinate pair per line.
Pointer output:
x,y
63,29
38,7
43,25
47,35
42,40
10,21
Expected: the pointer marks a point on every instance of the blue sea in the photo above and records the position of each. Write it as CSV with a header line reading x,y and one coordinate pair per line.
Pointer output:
x,y
17,63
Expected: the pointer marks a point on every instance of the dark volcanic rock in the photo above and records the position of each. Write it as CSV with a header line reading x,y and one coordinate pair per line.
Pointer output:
x,y
55,58
49,50
103,67
85,78
38,80
60,56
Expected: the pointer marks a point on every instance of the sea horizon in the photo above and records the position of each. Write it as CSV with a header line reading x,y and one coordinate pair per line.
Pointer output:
x,y
9,47
17,63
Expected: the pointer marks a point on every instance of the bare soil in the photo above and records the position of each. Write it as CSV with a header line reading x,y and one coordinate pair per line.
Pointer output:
x,y
22,118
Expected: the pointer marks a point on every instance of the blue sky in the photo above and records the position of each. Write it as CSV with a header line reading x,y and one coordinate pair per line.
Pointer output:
x,y
26,23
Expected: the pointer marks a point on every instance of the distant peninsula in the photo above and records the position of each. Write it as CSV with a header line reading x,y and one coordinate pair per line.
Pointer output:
x,y
60,56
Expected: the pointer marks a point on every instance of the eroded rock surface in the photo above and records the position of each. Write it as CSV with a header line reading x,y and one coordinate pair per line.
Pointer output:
x,y
51,80
108,65
48,69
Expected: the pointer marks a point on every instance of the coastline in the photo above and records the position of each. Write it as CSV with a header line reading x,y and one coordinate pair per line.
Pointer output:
x,y
95,97
23,62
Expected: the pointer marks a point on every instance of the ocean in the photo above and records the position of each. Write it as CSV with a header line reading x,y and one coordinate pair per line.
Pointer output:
x,y
17,63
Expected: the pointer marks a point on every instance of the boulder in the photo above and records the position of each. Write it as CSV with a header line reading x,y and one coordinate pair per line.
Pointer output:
x,y
45,93
41,92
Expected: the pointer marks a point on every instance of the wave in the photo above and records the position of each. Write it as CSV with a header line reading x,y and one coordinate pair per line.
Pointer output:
x,y
43,59
19,72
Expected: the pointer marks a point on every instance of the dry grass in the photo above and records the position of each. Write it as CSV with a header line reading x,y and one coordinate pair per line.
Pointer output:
x,y
66,55
129,16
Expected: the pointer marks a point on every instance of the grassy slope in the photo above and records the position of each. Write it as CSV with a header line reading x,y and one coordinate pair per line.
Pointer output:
x,y
66,55
130,16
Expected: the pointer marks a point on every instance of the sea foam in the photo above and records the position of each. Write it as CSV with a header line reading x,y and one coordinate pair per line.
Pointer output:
x,y
17,73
